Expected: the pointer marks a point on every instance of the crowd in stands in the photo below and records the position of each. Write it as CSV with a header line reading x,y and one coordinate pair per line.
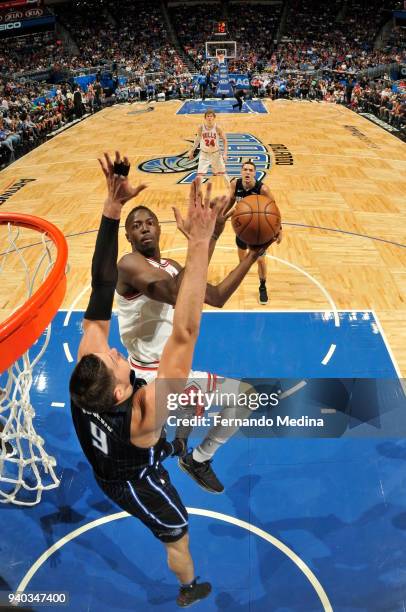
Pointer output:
x,y
335,39
335,35
100,31
126,32
194,25
28,114
39,51
248,23
363,95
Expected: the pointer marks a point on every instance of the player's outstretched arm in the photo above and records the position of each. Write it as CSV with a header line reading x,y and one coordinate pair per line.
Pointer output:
x,y
97,317
177,355
217,295
176,359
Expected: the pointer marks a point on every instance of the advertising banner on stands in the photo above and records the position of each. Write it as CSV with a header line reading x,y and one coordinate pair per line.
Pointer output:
x,y
22,26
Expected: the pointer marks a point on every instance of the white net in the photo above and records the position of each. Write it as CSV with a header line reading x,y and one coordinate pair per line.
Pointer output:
x,y
26,470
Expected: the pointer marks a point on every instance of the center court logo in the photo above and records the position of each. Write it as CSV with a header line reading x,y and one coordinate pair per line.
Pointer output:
x,y
240,148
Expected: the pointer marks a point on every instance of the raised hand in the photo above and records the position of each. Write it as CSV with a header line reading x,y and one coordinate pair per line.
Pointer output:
x,y
195,199
203,219
119,189
201,216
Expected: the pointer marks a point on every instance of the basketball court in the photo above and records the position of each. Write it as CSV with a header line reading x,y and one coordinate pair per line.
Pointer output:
x,y
304,523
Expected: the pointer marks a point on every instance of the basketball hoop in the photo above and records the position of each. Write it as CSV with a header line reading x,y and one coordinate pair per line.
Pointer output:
x,y
25,468
214,48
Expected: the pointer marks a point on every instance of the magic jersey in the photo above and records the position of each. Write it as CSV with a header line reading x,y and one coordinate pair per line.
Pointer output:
x,y
106,441
241,193
145,324
209,140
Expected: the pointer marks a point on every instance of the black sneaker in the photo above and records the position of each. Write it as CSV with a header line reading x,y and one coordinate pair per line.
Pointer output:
x,y
202,473
263,295
193,593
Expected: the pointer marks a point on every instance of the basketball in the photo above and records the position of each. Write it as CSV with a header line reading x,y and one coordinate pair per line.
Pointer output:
x,y
256,220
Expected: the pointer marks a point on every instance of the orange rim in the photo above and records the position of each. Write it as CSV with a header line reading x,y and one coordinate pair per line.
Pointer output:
x,y
21,329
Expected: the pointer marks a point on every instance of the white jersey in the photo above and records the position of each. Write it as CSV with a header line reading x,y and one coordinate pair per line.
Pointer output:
x,y
209,139
145,324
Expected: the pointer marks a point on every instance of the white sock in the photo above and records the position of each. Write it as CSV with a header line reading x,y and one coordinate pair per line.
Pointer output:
x,y
219,434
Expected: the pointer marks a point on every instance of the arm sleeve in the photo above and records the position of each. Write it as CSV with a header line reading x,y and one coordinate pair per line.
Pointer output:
x,y
104,271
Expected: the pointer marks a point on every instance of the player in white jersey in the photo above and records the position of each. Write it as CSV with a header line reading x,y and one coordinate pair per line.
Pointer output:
x,y
146,292
208,138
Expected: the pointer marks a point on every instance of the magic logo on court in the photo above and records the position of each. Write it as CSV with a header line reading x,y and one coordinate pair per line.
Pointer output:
x,y
240,147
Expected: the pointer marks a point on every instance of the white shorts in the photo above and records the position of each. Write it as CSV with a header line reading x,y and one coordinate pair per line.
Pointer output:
x,y
215,160
205,381
214,385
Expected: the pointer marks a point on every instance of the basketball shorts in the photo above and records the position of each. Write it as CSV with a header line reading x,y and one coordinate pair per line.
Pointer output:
x,y
242,245
215,160
205,381
152,499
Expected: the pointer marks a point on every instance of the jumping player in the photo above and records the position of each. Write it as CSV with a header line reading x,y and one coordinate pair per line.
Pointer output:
x,y
208,138
240,188
118,419
147,289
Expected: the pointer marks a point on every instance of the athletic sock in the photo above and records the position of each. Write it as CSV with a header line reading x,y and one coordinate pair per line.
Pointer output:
x,y
262,282
219,434
200,455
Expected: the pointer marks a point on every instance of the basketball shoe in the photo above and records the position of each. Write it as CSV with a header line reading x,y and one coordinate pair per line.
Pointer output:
x,y
263,294
201,472
189,594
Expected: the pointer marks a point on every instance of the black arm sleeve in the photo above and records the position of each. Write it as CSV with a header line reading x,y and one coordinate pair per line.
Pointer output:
x,y
104,271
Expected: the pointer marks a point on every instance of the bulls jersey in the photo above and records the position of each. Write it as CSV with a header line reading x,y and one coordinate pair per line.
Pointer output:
x,y
241,193
145,324
209,140
105,440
